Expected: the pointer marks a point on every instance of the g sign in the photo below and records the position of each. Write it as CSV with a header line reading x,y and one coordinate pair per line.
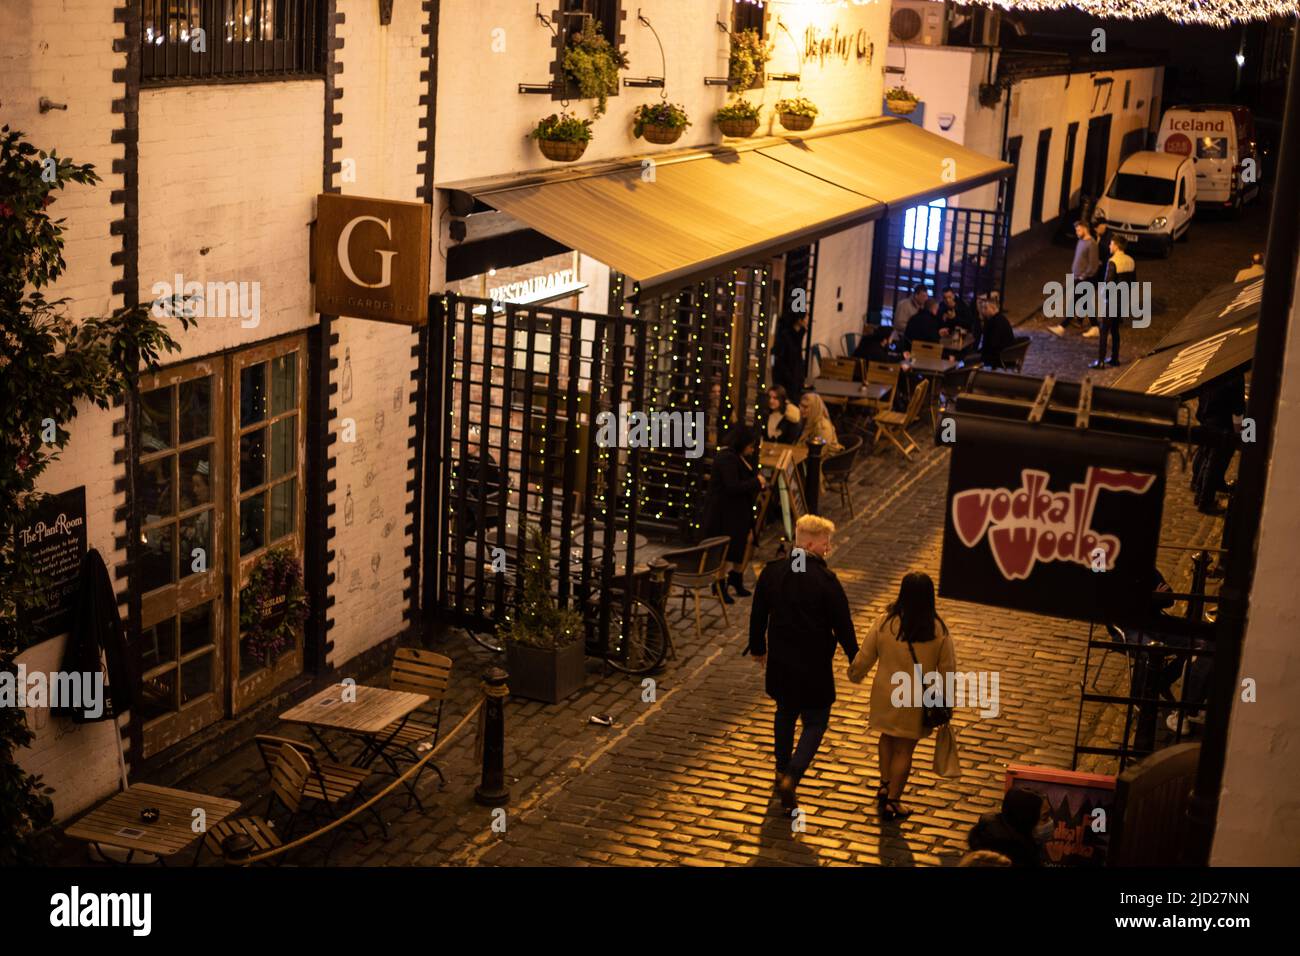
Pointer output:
x,y
372,258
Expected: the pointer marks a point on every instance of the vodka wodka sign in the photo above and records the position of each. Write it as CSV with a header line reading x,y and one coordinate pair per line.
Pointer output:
x,y
1051,519
372,258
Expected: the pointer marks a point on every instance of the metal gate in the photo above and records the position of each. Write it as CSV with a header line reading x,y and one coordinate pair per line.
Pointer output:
x,y
516,397
941,246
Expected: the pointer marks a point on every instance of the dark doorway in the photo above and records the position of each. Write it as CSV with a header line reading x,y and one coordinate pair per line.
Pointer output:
x,y
1067,170
1040,175
1007,195
1096,154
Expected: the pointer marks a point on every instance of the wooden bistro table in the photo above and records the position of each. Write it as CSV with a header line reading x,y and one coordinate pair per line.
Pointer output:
x,y
838,388
117,823
374,710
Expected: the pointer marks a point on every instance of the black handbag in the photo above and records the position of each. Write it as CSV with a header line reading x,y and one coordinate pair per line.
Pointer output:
x,y
931,715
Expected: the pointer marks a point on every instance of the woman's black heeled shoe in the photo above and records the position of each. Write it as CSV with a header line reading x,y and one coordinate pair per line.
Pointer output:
x,y
893,810
720,589
737,582
882,793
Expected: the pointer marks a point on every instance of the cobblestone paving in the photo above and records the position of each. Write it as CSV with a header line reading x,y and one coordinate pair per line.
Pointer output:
x,y
686,778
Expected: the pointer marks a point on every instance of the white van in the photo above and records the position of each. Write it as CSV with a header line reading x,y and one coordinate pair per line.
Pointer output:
x,y
1221,140
1151,199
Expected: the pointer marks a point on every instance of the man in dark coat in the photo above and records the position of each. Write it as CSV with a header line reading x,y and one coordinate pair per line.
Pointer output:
x,y
1220,405
998,334
874,347
800,615
788,367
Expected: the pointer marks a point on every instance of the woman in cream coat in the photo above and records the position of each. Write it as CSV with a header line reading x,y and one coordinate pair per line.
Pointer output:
x,y
911,619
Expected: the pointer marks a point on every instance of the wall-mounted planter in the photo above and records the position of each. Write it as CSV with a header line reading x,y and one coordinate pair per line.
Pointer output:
x,y
737,127
796,122
661,135
561,151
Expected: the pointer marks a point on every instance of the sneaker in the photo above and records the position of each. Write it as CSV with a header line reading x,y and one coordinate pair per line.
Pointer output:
x,y
1057,330
1092,332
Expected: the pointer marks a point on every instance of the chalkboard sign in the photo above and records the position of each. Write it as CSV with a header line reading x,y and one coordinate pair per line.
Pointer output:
x,y
55,542
1082,806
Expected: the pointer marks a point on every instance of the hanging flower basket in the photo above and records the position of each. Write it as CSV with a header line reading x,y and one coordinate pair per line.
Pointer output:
x,y
900,100
738,119
738,127
797,114
561,151
562,138
660,123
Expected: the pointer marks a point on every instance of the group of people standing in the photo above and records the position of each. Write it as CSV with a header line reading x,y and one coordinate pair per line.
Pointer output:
x,y
1100,256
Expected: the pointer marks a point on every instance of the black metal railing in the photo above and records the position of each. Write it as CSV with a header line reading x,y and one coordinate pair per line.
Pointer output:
x,y
194,40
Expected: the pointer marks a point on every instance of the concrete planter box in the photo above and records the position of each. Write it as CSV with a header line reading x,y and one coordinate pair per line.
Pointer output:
x,y
540,673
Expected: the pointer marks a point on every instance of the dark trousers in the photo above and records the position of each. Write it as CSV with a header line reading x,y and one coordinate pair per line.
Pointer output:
x,y
1109,329
1209,468
810,738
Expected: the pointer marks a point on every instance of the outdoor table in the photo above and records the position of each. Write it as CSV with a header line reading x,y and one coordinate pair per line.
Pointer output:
x,y
116,822
838,388
368,716
770,451
932,369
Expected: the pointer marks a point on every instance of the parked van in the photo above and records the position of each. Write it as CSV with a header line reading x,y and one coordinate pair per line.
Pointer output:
x,y
1151,199
1221,139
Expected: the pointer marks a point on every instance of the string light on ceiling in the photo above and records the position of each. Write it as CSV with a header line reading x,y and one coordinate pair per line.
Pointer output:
x,y
1220,13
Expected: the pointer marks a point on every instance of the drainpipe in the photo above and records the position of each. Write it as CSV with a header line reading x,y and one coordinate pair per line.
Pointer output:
x,y
1252,474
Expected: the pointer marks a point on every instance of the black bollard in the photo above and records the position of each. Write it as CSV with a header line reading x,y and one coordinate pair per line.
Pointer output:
x,y
813,484
492,791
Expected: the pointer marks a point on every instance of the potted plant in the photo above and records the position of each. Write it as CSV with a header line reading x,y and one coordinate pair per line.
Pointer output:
x,y
900,100
592,63
545,644
562,138
739,118
660,123
749,54
797,114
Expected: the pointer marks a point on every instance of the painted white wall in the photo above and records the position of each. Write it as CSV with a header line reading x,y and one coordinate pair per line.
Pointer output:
x,y
489,47
842,285
1259,807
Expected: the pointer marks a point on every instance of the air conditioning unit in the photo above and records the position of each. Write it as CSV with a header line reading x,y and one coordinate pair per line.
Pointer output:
x,y
919,22
987,29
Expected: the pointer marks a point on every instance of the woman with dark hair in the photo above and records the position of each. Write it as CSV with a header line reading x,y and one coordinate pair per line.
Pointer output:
x,y
909,636
783,419
734,484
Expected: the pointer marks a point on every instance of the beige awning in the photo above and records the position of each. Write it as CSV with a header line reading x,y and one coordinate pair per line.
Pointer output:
x,y
695,213
894,162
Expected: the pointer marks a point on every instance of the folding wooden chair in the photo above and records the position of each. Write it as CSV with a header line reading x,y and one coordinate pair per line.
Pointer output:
x,y
329,785
881,373
893,425
419,672
929,350
289,775
699,569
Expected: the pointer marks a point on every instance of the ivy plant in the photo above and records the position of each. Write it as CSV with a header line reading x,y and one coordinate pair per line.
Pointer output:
x,y
592,62
51,366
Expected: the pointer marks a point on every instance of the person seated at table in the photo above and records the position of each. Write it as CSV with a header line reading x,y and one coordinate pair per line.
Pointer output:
x,y
874,347
734,484
909,307
817,423
924,326
998,334
783,419
954,314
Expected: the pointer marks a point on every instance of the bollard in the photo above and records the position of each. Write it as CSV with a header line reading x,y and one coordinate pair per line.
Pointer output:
x,y
813,485
492,791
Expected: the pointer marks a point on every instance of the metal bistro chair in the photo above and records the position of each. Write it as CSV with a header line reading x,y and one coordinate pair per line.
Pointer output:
x,y
418,672
849,342
699,569
837,471
1013,356
821,354
894,425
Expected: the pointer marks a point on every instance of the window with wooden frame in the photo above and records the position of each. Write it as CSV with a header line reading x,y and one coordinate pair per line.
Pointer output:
x,y
751,15
568,19
218,482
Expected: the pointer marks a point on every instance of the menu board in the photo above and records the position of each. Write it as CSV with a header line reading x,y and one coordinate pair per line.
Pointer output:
x,y
55,541
1082,807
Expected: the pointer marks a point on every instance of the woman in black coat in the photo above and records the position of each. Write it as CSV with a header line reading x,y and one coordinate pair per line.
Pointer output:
x,y
734,484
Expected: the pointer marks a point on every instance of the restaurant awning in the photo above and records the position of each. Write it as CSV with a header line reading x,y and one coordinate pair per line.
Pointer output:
x,y
1213,339
693,213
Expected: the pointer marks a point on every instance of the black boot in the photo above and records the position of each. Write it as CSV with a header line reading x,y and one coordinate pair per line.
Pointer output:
x,y
737,582
720,589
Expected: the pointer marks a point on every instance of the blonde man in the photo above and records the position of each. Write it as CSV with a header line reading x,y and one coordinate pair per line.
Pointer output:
x,y
800,615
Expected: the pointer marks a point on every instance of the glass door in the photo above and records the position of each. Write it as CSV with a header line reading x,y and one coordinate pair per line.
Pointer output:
x,y
179,495
268,449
